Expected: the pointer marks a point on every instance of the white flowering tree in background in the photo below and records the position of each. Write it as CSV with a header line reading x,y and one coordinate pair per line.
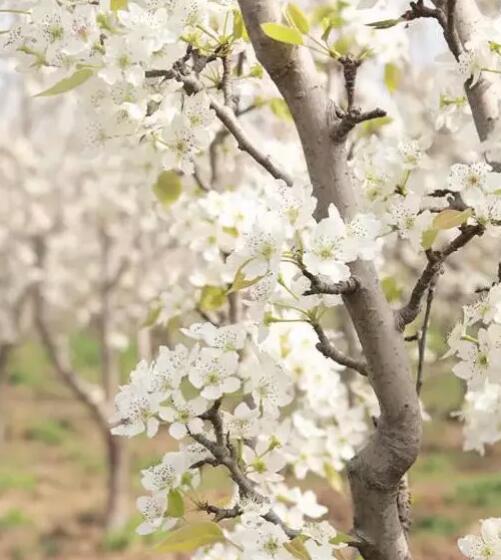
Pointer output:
x,y
215,103
78,250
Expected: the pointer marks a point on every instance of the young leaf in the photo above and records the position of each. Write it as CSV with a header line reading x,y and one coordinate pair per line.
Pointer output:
x,y
391,289
175,506
116,5
212,298
428,238
384,23
297,549
152,317
391,77
298,18
67,84
282,33
333,477
240,282
191,537
238,25
341,538
450,218
168,187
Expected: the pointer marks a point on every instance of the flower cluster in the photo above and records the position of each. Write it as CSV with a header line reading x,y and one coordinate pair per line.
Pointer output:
x,y
485,546
229,402
107,50
476,342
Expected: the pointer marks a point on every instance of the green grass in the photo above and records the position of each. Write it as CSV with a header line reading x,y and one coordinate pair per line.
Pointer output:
x,y
433,465
29,366
12,519
483,491
118,541
436,525
50,431
442,393
15,479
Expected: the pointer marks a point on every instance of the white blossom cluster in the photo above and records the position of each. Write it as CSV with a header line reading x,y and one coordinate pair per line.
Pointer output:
x,y
476,343
485,546
252,392
107,52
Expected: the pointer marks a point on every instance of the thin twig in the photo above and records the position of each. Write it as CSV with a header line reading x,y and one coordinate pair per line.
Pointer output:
x,y
326,347
424,332
411,310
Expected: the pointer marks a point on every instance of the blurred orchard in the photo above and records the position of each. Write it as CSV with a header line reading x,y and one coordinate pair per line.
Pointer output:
x,y
250,270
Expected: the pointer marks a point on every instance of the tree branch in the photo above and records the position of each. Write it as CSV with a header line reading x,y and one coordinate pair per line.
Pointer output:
x,y
91,395
330,351
411,310
376,471
224,454
230,121
422,337
459,19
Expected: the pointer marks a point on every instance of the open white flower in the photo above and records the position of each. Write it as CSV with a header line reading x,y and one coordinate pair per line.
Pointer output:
x,y
183,415
487,546
214,373
330,248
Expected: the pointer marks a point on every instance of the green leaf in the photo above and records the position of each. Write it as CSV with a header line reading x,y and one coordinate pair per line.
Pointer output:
x,y
392,77
282,33
391,289
297,549
175,506
152,317
191,537
384,23
341,538
298,18
428,238
257,71
371,127
67,84
212,298
333,477
450,218
280,109
238,25
240,282
116,5
168,187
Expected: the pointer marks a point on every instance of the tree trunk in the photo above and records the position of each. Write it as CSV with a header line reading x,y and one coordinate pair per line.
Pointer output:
x,y
376,471
117,505
5,350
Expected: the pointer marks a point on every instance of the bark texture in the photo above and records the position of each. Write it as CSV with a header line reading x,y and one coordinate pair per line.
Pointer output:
x,y
481,97
375,473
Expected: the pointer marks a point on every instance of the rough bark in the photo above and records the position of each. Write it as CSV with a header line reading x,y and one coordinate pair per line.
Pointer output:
x,y
376,471
482,97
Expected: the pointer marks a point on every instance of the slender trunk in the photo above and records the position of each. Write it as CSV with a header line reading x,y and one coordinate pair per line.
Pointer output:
x,y
116,448
5,350
117,505
93,397
376,471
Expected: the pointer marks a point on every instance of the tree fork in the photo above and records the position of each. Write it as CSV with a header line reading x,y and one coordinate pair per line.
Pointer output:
x,y
376,471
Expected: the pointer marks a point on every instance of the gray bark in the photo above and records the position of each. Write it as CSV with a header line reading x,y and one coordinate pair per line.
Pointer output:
x,y
481,97
117,505
376,471
5,350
